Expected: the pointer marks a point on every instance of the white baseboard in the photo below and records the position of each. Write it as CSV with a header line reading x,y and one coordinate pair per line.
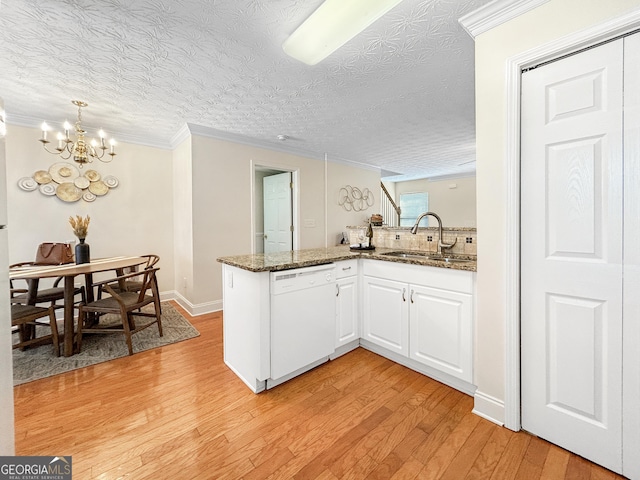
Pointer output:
x,y
256,386
489,408
344,349
441,377
194,310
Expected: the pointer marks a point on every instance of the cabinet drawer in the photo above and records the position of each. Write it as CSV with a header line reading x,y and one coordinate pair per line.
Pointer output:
x,y
346,268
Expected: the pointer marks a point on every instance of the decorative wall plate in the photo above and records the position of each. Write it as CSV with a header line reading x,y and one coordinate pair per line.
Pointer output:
x,y
48,189
88,197
92,175
63,172
81,182
42,177
67,182
98,188
68,192
27,184
110,181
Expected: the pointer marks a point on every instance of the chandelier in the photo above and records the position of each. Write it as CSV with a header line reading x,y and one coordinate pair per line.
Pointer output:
x,y
81,151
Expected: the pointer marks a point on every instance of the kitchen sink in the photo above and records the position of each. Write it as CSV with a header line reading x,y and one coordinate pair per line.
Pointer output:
x,y
454,260
408,255
426,256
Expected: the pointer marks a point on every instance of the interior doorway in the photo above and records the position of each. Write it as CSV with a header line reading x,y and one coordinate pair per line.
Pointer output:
x,y
275,240
572,230
631,355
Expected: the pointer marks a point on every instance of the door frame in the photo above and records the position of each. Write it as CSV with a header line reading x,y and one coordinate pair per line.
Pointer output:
x,y
514,66
256,166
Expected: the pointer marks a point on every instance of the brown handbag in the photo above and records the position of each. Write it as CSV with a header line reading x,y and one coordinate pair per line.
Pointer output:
x,y
54,254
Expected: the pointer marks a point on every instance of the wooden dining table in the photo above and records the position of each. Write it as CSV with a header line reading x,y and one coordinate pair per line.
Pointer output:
x,y
69,271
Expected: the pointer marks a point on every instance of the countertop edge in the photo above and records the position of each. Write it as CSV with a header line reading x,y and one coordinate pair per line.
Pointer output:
x,y
242,261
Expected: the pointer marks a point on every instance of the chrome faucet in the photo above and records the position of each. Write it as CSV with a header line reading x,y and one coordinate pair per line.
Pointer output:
x,y
441,244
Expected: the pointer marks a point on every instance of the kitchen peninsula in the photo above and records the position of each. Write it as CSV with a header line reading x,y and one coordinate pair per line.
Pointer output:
x,y
288,312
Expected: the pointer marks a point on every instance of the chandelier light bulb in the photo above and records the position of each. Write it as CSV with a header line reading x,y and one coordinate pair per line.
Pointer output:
x,y
60,138
76,146
45,129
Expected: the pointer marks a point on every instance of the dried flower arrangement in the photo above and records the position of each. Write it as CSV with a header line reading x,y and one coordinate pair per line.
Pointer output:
x,y
80,225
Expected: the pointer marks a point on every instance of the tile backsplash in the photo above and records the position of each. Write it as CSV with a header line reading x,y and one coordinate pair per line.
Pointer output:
x,y
426,240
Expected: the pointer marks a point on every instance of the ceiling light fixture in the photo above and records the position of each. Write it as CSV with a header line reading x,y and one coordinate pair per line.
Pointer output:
x,y
333,24
81,151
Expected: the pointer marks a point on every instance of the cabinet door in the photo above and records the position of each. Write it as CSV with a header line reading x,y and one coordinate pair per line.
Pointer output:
x,y
385,314
441,330
347,311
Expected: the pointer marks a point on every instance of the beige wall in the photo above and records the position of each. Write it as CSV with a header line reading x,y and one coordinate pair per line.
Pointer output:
x,y
183,221
190,205
7,439
340,175
454,200
133,219
221,206
551,21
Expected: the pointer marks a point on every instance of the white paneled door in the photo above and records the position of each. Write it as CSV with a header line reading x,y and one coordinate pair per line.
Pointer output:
x,y
278,218
572,253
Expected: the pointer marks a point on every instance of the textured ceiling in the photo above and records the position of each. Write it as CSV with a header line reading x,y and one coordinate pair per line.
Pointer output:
x,y
400,96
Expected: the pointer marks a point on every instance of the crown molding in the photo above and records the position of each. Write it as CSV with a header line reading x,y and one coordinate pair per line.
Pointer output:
x,y
496,13
189,129
180,136
120,137
281,146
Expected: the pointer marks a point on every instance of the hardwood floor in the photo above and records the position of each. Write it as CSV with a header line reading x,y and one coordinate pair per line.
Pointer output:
x,y
178,412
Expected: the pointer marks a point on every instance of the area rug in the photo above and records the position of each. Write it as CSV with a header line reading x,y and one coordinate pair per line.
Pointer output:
x,y
40,362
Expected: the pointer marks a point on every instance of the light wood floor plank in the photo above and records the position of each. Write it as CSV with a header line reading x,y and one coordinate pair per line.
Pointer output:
x,y
178,412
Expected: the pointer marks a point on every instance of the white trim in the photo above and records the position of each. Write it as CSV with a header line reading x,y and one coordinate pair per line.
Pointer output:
x,y
120,137
193,310
555,49
252,142
488,407
452,176
192,129
281,146
256,165
442,377
180,136
496,13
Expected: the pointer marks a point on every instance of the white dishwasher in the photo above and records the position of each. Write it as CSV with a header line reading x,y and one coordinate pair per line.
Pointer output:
x,y
303,312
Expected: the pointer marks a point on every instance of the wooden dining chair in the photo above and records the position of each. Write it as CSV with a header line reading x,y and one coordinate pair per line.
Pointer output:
x,y
23,316
136,284
125,304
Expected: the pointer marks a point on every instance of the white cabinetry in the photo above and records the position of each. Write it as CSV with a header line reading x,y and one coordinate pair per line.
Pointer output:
x,y
347,304
422,313
440,326
385,314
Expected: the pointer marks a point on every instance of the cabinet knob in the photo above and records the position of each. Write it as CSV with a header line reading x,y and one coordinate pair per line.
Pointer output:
x,y
411,296
337,290
404,299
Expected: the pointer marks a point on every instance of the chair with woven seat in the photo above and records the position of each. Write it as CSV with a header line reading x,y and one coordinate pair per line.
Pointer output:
x,y
23,316
125,304
136,284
